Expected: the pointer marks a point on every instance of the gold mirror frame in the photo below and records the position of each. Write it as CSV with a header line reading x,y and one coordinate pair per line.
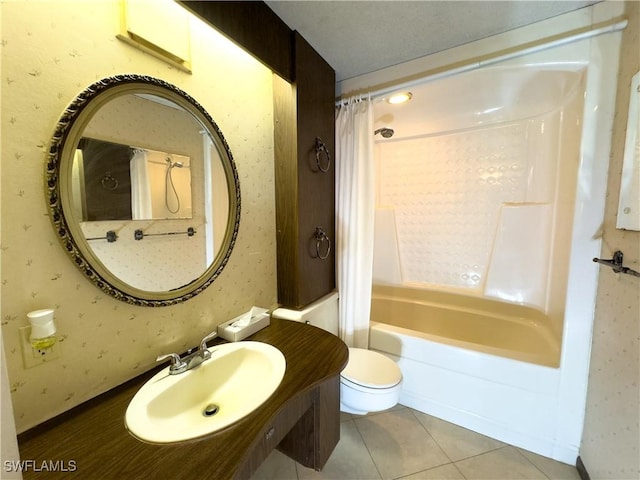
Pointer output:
x,y
58,166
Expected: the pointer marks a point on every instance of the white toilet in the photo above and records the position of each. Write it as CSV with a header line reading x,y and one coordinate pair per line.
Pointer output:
x,y
370,382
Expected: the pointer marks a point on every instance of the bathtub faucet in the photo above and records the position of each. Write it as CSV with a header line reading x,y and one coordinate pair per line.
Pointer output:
x,y
180,365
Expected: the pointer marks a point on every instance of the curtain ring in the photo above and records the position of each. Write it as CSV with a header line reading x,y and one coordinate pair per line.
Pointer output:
x,y
109,182
321,147
321,237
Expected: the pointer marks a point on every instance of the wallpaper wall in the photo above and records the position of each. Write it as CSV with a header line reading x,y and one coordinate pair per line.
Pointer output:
x,y
611,438
50,52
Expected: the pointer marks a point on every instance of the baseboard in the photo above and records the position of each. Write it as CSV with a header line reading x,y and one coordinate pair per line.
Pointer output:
x,y
582,470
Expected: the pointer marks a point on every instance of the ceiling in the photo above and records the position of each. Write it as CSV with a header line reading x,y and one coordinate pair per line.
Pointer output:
x,y
358,37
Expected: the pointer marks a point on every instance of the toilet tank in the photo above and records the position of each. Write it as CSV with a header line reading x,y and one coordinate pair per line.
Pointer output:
x,y
322,313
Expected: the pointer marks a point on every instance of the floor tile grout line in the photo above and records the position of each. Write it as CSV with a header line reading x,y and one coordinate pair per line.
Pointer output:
x,y
483,453
367,447
429,433
431,468
459,471
450,462
471,456
534,465
495,450
455,463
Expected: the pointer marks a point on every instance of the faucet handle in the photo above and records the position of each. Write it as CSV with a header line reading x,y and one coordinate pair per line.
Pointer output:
x,y
203,342
176,362
211,336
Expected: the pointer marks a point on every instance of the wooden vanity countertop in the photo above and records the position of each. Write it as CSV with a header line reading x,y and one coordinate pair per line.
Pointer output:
x,y
91,440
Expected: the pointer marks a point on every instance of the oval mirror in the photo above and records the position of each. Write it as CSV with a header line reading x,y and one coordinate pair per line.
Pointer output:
x,y
143,190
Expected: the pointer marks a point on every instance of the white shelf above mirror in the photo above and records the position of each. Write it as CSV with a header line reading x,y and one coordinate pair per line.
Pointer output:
x,y
161,32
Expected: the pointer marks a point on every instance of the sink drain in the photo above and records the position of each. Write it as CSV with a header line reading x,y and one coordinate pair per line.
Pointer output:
x,y
210,410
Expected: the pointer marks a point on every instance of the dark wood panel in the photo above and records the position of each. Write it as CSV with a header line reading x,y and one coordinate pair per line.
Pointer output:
x,y
253,26
300,442
327,426
303,112
313,438
315,81
286,178
275,431
93,435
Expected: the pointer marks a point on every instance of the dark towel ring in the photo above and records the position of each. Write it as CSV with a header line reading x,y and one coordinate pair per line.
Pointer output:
x,y
321,237
321,147
109,182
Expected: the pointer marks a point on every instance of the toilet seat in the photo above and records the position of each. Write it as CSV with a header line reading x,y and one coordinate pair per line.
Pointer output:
x,y
370,382
370,370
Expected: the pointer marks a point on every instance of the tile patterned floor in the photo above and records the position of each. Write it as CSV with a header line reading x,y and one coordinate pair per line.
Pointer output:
x,y
403,443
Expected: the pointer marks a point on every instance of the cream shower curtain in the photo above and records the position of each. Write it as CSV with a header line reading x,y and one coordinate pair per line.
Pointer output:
x,y
141,207
355,207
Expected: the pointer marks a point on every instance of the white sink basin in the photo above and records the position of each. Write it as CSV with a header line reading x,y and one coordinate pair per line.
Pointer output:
x,y
236,380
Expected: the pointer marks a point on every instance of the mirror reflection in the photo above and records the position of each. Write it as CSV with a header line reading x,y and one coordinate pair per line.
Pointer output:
x,y
148,190
123,182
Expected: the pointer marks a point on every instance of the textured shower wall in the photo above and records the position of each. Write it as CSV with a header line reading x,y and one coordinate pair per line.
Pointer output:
x,y
448,190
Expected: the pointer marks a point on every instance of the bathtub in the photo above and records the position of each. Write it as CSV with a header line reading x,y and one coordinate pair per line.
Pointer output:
x,y
468,322
482,364
472,247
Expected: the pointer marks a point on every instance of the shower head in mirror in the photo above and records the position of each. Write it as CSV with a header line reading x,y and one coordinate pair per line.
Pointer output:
x,y
173,164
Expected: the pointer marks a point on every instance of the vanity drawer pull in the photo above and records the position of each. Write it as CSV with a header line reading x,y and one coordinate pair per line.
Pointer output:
x,y
269,435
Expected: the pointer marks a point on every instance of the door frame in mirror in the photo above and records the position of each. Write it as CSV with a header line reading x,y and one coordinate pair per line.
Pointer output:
x,y
58,166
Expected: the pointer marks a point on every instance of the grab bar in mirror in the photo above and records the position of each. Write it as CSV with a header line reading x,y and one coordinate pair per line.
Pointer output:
x,y
110,237
616,264
139,234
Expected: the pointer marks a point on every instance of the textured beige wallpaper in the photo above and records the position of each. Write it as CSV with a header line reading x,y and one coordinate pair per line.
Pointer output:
x,y
50,52
611,437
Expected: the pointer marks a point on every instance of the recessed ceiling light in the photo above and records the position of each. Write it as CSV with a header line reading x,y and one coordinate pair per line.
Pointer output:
x,y
400,97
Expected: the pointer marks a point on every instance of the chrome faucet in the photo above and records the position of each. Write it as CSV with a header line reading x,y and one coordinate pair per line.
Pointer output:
x,y
181,365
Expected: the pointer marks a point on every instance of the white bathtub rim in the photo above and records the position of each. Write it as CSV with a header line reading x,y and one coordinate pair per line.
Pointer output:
x,y
460,346
477,311
476,292
525,376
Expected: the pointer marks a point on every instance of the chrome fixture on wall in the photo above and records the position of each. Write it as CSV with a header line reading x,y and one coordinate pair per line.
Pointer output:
x,y
616,264
385,132
168,180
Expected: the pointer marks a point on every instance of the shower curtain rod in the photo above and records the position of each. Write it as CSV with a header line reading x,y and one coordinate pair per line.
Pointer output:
x,y
497,57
